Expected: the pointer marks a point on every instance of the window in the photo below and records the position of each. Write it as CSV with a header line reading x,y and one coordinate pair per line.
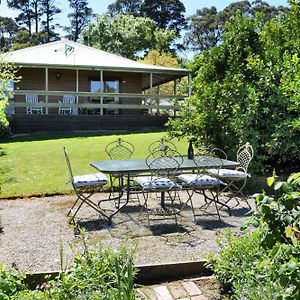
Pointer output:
x,y
107,86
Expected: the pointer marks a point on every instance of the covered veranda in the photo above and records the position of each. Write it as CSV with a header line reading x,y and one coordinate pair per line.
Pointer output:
x,y
107,90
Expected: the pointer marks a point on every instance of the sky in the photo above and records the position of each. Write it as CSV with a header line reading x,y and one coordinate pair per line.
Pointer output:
x,y
100,6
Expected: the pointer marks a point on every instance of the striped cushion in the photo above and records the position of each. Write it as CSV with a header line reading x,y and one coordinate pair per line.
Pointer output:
x,y
200,180
89,180
229,174
155,183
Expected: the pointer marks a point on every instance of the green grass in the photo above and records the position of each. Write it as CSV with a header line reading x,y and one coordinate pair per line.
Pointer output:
x,y
35,164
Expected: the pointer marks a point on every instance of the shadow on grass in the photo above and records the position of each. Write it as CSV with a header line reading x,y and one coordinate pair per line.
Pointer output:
x,y
42,136
2,152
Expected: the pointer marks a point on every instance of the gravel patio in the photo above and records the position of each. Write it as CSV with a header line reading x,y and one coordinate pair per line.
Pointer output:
x,y
36,230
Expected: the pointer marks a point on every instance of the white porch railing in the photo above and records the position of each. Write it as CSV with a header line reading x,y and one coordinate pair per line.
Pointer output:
x,y
87,102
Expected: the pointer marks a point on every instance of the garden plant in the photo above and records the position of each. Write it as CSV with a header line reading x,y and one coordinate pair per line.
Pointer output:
x,y
98,273
263,262
247,89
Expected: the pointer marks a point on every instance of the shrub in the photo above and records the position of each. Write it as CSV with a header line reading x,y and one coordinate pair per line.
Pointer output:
x,y
264,262
10,282
7,74
247,89
99,273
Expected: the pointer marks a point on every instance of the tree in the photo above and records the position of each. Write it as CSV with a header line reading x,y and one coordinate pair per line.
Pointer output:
x,y
160,58
8,30
79,17
167,14
26,15
247,89
49,10
127,35
204,31
206,26
131,7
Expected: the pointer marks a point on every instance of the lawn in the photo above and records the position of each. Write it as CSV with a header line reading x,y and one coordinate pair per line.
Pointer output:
x,y
35,164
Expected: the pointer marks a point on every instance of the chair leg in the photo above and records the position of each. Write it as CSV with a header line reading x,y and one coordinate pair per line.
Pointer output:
x,y
190,196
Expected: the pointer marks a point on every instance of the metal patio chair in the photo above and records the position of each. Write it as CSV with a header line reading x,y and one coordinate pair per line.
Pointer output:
x,y
163,165
84,186
237,179
118,150
200,182
32,107
161,143
67,99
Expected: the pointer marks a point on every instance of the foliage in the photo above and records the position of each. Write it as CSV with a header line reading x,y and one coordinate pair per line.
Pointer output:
x,y
10,282
206,26
132,7
36,18
7,75
79,17
8,30
247,89
99,273
127,35
156,57
264,262
167,14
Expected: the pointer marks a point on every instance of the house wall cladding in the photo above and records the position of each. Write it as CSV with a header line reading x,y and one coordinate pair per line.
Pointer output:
x,y
65,80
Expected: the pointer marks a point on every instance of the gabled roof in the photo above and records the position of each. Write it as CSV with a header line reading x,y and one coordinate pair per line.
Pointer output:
x,y
65,53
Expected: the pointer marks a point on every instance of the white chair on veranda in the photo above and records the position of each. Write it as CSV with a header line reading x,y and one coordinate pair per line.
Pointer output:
x,y
65,110
32,105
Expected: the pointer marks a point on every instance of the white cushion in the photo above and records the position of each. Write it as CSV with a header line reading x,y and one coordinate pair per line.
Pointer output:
x,y
200,180
155,183
89,180
229,174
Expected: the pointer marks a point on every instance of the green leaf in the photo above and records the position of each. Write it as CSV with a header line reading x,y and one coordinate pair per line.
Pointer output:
x,y
270,180
277,185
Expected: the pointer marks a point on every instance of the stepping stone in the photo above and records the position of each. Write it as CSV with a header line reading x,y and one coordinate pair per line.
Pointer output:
x,y
191,288
177,290
162,293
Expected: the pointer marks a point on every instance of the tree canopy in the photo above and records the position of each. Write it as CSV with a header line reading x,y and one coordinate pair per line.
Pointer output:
x,y
205,27
247,89
127,35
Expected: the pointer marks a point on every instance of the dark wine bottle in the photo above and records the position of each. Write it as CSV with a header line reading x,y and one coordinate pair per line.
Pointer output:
x,y
190,151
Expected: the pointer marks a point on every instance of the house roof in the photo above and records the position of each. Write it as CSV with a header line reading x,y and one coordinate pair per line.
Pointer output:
x,y
68,54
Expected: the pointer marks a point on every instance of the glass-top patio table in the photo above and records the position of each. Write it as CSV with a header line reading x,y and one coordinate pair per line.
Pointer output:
x,y
131,167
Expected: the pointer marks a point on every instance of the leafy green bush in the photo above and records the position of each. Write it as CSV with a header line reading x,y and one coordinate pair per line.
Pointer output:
x,y
247,89
99,273
10,282
7,74
264,262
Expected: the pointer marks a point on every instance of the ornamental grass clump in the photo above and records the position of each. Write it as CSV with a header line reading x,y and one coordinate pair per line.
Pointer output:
x,y
99,273
263,261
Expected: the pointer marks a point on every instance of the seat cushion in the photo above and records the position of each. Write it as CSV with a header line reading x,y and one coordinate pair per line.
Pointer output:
x,y
200,180
228,174
89,180
155,183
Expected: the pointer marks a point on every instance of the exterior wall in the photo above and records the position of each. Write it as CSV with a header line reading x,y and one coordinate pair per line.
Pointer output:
x,y
65,80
